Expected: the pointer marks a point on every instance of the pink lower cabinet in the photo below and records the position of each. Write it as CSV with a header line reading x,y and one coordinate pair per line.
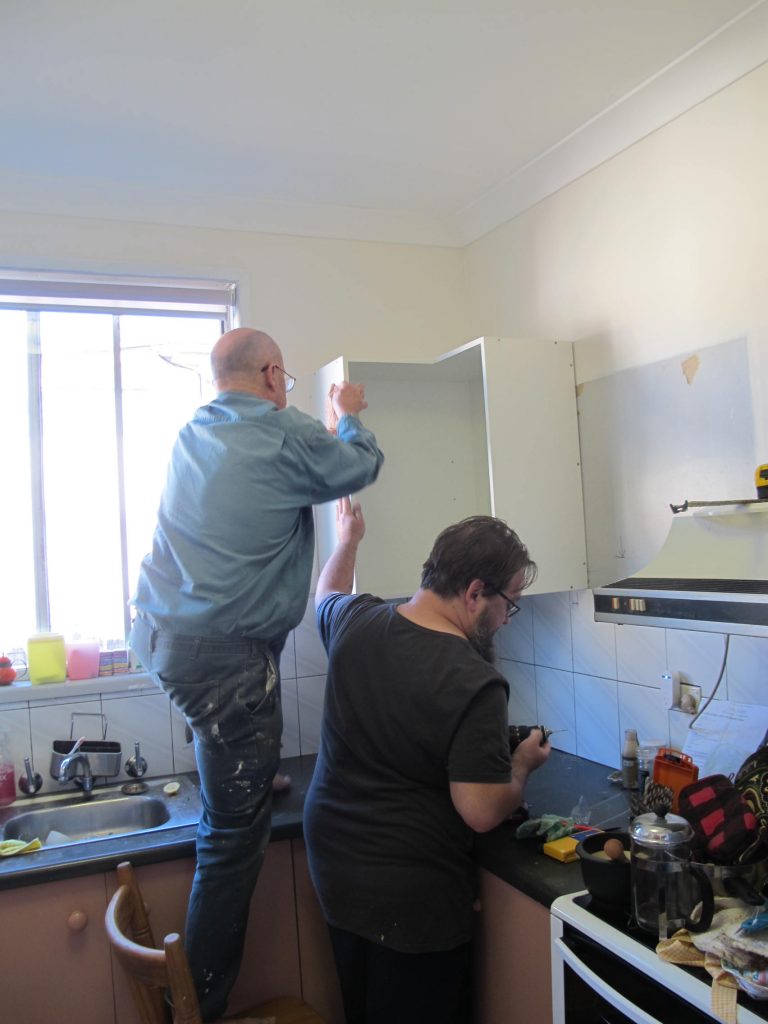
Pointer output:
x,y
54,954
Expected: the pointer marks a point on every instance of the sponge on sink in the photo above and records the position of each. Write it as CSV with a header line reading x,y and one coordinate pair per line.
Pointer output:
x,y
8,847
562,849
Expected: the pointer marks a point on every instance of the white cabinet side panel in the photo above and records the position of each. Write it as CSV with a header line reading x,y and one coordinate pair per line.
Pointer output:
x,y
325,515
534,455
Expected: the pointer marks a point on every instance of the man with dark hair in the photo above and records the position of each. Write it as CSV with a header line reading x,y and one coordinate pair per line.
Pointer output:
x,y
227,578
414,758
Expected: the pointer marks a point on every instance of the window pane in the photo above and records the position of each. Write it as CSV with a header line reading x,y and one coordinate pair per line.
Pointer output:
x,y
80,476
17,593
165,376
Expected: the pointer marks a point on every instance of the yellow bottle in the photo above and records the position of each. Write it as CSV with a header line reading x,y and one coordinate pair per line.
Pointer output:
x,y
47,658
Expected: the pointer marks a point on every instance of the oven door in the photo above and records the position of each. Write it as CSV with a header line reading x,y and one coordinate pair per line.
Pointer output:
x,y
592,985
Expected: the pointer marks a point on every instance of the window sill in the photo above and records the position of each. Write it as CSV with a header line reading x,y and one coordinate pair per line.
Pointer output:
x,y
25,692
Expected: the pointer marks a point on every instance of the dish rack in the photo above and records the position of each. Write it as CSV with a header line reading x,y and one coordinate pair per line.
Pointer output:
x,y
105,756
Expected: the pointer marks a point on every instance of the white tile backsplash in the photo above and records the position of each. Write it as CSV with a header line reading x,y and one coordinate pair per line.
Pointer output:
x,y
556,706
51,722
291,742
641,654
594,643
514,641
552,644
521,676
311,659
183,746
697,656
145,720
640,709
597,719
311,691
288,657
747,670
564,670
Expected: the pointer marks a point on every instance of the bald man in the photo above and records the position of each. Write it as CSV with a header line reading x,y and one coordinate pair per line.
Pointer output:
x,y
227,578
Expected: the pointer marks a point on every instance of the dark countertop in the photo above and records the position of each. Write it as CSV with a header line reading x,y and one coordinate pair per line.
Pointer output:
x,y
554,789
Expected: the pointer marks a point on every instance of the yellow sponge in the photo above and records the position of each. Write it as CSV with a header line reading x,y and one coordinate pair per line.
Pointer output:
x,y
562,849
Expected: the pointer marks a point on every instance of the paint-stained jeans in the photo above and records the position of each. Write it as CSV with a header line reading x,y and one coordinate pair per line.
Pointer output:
x,y
229,692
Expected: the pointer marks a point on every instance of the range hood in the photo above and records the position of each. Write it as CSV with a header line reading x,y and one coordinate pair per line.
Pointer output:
x,y
711,574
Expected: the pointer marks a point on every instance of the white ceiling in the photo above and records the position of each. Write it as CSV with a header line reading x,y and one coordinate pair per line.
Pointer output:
x,y
428,121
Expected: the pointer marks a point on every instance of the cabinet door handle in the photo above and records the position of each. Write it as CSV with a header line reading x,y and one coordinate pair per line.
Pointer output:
x,y
77,921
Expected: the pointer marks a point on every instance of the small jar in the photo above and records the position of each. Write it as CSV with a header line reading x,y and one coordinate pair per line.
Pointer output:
x,y
646,755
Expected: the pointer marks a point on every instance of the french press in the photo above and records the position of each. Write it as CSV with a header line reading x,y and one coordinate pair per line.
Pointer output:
x,y
666,885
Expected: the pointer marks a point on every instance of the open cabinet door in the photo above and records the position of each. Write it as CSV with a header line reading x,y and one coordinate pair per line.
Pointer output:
x,y
325,515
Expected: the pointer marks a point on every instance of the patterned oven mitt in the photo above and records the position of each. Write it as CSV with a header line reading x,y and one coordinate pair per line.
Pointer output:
x,y
723,823
752,782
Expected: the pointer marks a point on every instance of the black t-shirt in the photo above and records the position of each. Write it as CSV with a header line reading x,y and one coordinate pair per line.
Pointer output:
x,y
407,710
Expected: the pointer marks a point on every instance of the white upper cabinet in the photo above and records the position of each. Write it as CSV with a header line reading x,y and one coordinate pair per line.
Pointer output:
x,y
490,429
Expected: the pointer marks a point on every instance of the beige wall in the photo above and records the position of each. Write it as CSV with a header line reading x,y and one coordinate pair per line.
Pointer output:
x,y
660,250
318,297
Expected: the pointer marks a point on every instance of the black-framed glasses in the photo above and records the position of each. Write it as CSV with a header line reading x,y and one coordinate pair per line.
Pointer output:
x,y
290,380
512,608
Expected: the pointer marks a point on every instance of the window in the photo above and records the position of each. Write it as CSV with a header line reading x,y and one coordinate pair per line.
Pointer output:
x,y
98,374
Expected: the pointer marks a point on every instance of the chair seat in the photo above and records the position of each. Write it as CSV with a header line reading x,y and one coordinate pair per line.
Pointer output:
x,y
153,972
284,1011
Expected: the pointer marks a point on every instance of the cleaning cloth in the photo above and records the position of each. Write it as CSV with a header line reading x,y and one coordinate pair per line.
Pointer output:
x,y
551,826
9,847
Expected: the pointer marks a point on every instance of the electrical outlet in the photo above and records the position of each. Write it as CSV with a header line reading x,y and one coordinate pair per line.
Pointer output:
x,y
690,697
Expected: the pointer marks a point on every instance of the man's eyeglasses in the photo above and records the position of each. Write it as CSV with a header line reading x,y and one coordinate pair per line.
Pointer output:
x,y
290,380
512,608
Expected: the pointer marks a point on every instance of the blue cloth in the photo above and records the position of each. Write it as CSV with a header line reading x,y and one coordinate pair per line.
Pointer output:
x,y
229,692
233,549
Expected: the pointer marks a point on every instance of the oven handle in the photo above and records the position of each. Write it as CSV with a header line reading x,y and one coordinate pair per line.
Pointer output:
x,y
597,984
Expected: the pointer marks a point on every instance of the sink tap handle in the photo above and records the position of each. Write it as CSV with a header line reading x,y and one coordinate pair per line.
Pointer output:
x,y
31,781
136,766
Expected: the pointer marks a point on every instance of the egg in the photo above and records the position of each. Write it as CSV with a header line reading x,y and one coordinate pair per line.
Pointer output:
x,y
614,849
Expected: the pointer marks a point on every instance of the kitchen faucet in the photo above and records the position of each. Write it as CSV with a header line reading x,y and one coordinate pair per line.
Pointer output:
x,y
83,779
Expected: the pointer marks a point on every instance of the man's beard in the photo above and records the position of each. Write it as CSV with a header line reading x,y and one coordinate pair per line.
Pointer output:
x,y
481,639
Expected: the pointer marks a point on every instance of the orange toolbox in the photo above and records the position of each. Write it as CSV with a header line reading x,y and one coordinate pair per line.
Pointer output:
x,y
675,769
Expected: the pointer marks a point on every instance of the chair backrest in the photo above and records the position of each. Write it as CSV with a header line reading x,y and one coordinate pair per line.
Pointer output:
x,y
150,971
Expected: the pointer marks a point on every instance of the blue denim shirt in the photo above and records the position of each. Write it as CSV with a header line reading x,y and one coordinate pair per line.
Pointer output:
x,y
234,543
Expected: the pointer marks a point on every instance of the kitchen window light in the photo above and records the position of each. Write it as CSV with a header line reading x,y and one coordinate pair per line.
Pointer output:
x,y
99,375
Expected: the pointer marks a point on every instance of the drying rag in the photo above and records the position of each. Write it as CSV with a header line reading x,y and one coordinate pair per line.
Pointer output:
x,y
551,826
9,847
679,949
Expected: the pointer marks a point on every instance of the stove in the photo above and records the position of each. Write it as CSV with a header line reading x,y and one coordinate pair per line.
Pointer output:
x,y
605,971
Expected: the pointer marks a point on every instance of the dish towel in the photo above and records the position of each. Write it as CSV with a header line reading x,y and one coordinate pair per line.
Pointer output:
x,y
551,826
679,949
9,847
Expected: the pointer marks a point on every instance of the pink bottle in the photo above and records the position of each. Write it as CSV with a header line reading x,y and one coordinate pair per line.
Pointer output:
x,y
83,660
7,774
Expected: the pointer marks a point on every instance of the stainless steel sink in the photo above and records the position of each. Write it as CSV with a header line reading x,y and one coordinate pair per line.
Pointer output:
x,y
60,819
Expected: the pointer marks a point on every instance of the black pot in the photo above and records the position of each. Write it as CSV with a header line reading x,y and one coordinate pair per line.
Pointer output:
x,y
748,882
608,881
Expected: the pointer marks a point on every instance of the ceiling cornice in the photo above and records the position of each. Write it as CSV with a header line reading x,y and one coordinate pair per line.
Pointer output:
x,y
723,58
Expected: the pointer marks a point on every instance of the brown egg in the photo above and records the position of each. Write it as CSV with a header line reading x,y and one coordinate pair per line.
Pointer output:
x,y
614,849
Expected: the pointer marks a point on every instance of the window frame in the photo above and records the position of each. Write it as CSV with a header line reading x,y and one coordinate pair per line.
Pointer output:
x,y
42,291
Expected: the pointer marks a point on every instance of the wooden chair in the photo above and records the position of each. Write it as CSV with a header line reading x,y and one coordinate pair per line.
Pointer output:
x,y
152,971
